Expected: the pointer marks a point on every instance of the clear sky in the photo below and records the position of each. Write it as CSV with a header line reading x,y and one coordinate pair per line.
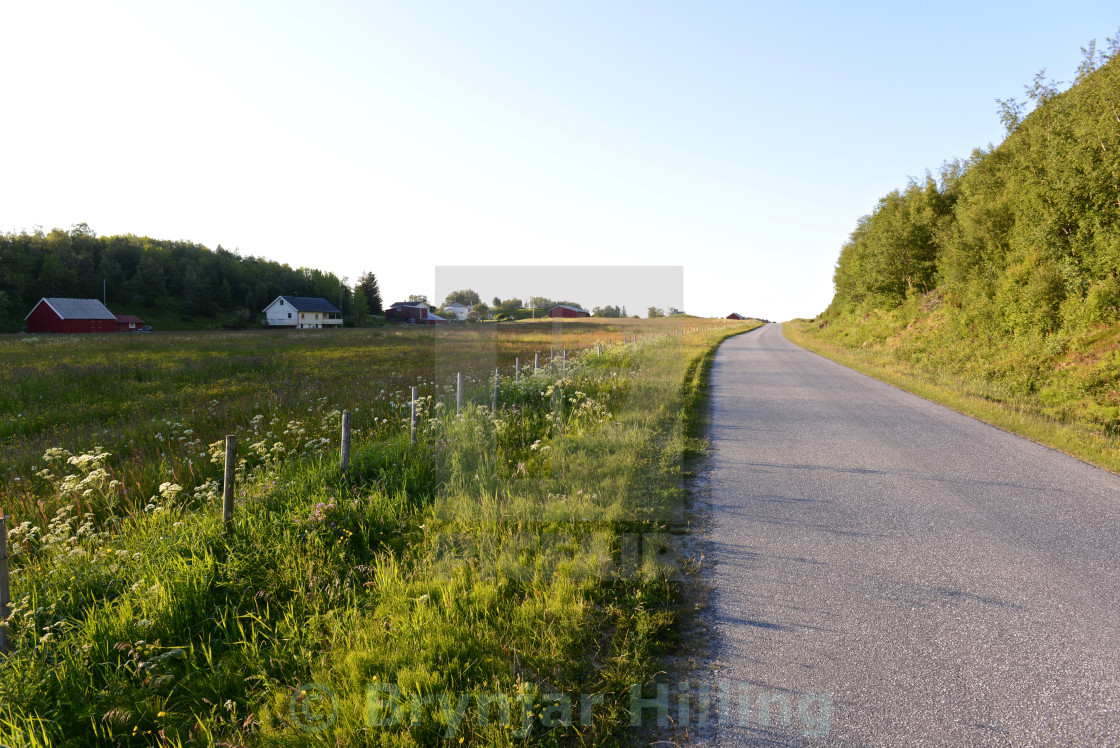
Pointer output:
x,y
740,140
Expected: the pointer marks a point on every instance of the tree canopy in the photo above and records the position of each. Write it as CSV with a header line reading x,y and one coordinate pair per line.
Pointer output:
x,y
1025,236
466,297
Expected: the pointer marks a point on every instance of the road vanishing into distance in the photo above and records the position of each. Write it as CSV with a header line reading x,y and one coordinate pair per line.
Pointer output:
x,y
891,573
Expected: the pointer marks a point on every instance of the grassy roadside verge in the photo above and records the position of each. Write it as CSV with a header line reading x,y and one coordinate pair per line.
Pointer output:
x,y
690,662
1020,416
509,563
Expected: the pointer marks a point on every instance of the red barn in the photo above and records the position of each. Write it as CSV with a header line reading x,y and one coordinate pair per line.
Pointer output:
x,y
129,323
563,310
414,313
70,315
735,315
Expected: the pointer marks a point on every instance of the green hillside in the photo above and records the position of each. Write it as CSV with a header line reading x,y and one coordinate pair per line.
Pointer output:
x,y
999,279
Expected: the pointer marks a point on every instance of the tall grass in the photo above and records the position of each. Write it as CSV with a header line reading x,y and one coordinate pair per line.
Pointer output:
x,y
521,555
154,402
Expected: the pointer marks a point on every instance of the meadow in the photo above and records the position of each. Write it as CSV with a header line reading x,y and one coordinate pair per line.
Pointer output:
x,y
505,579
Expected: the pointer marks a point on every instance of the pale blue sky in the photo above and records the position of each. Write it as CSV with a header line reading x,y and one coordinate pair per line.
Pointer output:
x,y
739,140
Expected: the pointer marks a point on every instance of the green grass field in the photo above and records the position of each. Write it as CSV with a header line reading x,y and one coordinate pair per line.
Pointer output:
x,y
514,561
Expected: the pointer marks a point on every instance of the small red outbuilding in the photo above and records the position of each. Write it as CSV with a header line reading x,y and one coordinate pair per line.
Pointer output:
x,y
563,310
129,323
735,315
70,315
414,313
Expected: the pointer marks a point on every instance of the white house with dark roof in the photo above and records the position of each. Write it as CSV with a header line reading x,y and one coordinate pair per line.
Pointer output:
x,y
302,313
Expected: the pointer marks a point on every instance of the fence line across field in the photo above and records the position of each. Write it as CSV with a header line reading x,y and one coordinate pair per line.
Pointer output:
x,y
230,468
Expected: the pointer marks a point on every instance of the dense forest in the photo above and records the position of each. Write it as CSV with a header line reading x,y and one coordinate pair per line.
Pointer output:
x,y
170,283
1004,268
1027,233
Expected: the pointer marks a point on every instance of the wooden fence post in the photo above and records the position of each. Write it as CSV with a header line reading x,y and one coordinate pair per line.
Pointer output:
x,y
345,457
517,370
536,362
458,393
494,399
5,590
413,415
599,349
230,479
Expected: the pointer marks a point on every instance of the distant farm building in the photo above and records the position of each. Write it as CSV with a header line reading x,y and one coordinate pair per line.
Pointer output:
x,y
413,313
70,315
735,315
302,313
563,310
129,323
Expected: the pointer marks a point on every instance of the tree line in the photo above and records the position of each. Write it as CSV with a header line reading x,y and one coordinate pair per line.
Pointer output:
x,y
140,274
514,307
1024,237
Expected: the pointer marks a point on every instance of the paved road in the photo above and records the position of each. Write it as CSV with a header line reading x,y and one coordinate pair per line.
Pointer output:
x,y
923,578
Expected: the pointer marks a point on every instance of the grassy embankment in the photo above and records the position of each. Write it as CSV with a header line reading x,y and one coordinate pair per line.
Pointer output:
x,y
517,553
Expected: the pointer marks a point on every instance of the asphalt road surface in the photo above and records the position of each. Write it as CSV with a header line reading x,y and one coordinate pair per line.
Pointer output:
x,y
891,573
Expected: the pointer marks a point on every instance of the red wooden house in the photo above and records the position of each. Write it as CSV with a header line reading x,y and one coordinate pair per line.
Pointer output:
x,y
70,315
414,313
563,310
735,315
